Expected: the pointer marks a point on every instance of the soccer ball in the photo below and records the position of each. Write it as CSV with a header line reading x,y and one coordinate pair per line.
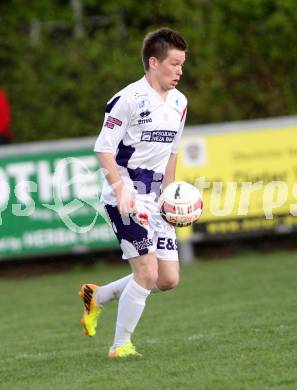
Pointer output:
x,y
180,204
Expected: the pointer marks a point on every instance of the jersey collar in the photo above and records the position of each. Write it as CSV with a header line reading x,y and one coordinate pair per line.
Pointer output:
x,y
148,86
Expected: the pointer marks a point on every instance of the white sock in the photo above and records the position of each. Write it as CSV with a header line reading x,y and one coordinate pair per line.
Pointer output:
x,y
131,306
109,292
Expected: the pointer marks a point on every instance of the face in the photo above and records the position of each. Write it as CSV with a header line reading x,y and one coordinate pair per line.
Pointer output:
x,y
169,71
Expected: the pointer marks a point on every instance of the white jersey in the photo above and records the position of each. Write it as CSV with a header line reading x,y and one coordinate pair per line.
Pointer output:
x,y
141,130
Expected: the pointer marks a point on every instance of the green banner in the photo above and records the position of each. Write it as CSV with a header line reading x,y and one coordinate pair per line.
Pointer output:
x,y
49,200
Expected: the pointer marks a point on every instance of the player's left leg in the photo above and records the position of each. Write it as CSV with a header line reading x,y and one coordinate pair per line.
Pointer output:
x,y
133,300
167,255
168,274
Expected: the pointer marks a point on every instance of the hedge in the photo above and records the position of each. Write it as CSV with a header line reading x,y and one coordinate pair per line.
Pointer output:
x,y
241,62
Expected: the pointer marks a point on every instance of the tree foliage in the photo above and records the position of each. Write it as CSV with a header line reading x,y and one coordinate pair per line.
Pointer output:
x,y
241,62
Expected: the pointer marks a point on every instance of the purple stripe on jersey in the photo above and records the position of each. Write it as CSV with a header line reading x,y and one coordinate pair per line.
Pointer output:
x,y
146,181
132,232
111,104
124,154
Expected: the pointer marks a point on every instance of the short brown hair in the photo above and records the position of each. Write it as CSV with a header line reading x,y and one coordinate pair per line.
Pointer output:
x,y
157,43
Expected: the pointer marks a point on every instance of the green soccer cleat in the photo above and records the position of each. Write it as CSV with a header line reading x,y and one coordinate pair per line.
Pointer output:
x,y
91,310
123,351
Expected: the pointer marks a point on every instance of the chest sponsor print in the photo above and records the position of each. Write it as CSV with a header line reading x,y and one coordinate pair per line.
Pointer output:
x,y
164,136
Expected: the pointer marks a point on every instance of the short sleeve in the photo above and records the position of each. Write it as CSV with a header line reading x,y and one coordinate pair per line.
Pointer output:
x,y
175,143
116,120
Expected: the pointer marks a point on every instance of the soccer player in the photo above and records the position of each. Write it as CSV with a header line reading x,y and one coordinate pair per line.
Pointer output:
x,y
137,147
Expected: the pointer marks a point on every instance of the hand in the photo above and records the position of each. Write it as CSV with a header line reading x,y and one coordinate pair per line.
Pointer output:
x,y
125,202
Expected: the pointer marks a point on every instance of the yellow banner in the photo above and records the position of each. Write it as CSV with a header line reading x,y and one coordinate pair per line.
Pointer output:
x,y
243,174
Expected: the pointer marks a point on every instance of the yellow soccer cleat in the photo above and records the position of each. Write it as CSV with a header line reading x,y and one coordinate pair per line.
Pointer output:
x,y
123,351
91,310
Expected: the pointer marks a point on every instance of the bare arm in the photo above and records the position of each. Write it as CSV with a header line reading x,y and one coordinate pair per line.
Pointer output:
x,y
125,202
169,176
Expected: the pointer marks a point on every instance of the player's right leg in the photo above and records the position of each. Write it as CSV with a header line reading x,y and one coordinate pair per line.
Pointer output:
x,y
95,298
91,310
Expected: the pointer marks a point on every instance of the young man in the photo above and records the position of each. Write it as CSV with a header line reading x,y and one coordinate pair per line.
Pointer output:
x,y
137,147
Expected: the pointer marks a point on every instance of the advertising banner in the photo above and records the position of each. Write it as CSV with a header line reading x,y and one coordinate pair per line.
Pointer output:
x,y
247,173
49,200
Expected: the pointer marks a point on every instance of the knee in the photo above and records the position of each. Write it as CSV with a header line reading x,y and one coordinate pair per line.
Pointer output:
x,y
150,277
146,276
168,283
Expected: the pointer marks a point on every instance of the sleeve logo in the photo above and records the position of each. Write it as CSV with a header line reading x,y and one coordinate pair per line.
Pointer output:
x,y
111,122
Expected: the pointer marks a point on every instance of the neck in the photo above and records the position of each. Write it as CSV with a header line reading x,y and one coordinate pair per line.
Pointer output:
x,y
156,86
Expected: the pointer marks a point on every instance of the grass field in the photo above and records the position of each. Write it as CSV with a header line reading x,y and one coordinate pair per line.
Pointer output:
x,y
231,324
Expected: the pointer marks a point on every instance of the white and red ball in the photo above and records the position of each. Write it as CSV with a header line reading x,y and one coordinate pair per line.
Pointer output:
x,y
180,204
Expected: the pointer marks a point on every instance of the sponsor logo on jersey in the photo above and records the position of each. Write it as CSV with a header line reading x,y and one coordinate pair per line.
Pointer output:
x,y
143,244
167,243
111,122
143,102
143,114
146,136
144,120
165,136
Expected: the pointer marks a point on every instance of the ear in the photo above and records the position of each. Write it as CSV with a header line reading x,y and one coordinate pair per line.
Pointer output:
x,y
153,62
